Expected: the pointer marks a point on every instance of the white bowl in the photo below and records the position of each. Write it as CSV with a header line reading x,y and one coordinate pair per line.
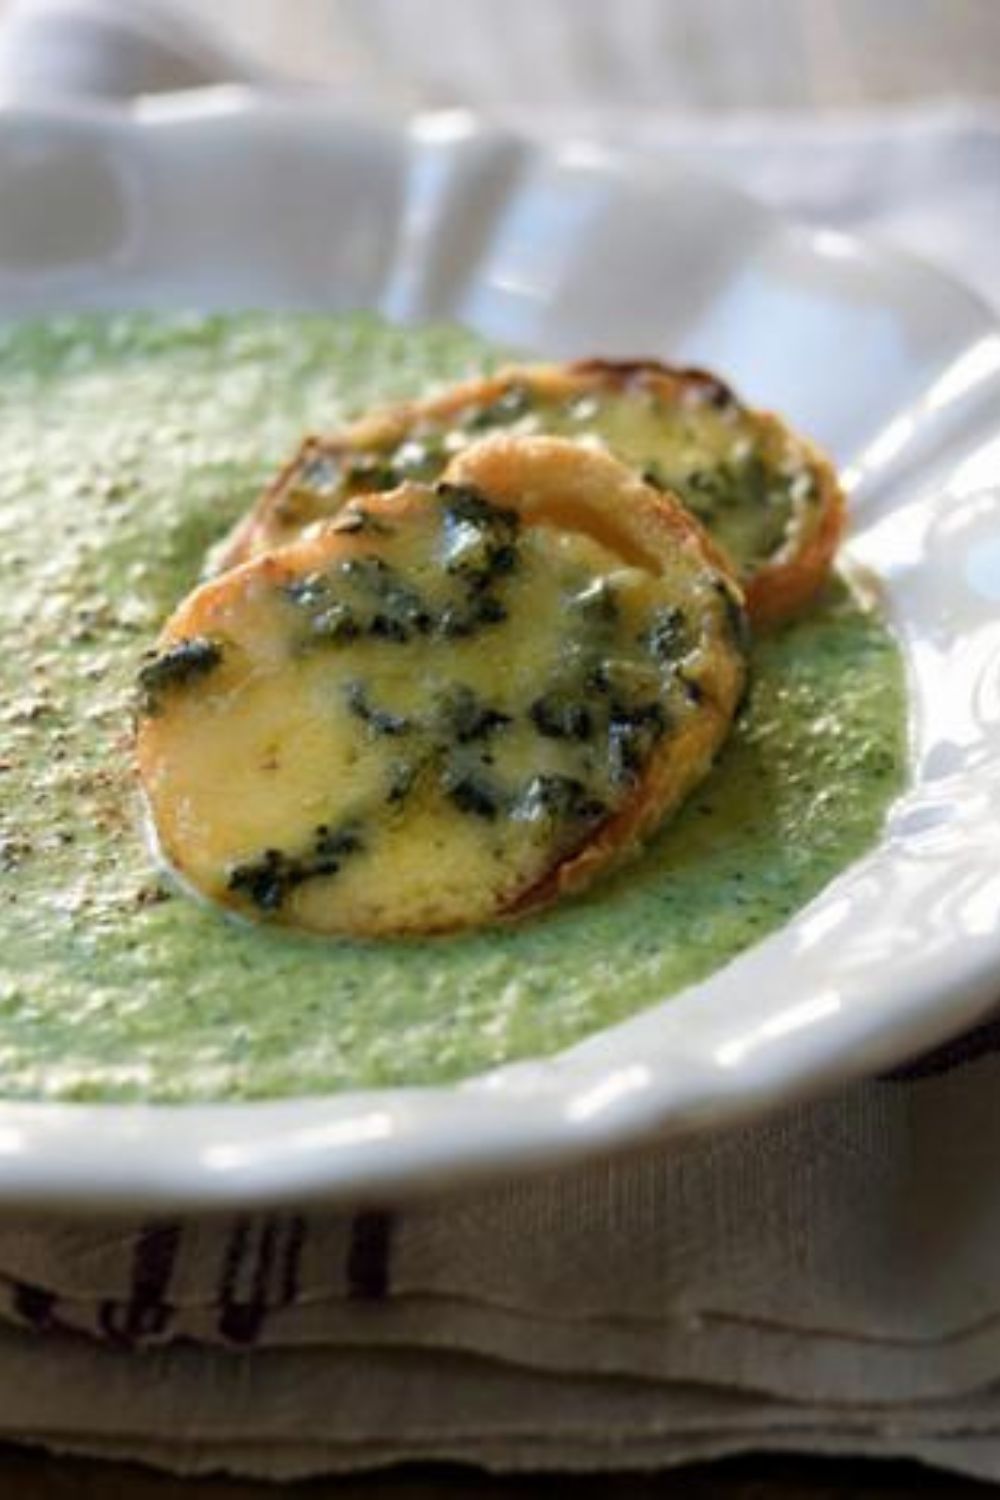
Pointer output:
x,y
224,198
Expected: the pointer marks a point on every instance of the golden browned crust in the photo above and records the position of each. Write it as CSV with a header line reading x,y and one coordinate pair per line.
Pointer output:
x,y
550,483
775,589
783,585
647,528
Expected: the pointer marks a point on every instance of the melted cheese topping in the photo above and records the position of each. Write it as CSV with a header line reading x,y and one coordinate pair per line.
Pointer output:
x,y
756,488
410,719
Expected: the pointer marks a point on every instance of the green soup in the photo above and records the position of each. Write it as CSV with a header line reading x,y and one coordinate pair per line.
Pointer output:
x,y
127,446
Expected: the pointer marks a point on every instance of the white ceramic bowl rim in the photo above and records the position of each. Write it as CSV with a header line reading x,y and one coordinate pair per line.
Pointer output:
x,y
628,254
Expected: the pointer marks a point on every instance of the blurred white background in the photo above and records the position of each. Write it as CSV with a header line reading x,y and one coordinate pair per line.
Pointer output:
x,y
675,54
878,116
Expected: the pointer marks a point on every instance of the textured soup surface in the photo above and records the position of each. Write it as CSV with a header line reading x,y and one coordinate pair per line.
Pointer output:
x,y
126,447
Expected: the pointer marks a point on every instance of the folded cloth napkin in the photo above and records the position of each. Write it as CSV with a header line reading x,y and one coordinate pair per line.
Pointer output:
x,y
826,1282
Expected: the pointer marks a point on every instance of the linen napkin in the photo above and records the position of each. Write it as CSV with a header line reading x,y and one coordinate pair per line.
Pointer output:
x,y
827,1281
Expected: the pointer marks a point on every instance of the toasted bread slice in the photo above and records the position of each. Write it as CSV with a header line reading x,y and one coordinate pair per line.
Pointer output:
x,y
769,498
449,705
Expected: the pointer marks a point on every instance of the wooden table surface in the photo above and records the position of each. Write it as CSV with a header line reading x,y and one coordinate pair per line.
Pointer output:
x,y
26,1475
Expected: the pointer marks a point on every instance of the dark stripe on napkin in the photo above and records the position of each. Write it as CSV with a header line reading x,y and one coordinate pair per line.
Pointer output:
x,y
295,1238
368,1256
145,1313
34,1306
260,1271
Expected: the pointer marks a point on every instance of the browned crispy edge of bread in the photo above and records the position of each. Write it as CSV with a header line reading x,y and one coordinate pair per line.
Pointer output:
x,y
646,523
776,590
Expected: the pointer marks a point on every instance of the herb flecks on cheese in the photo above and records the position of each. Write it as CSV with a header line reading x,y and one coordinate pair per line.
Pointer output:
x,y
115,987
183,662
768,498
448,705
